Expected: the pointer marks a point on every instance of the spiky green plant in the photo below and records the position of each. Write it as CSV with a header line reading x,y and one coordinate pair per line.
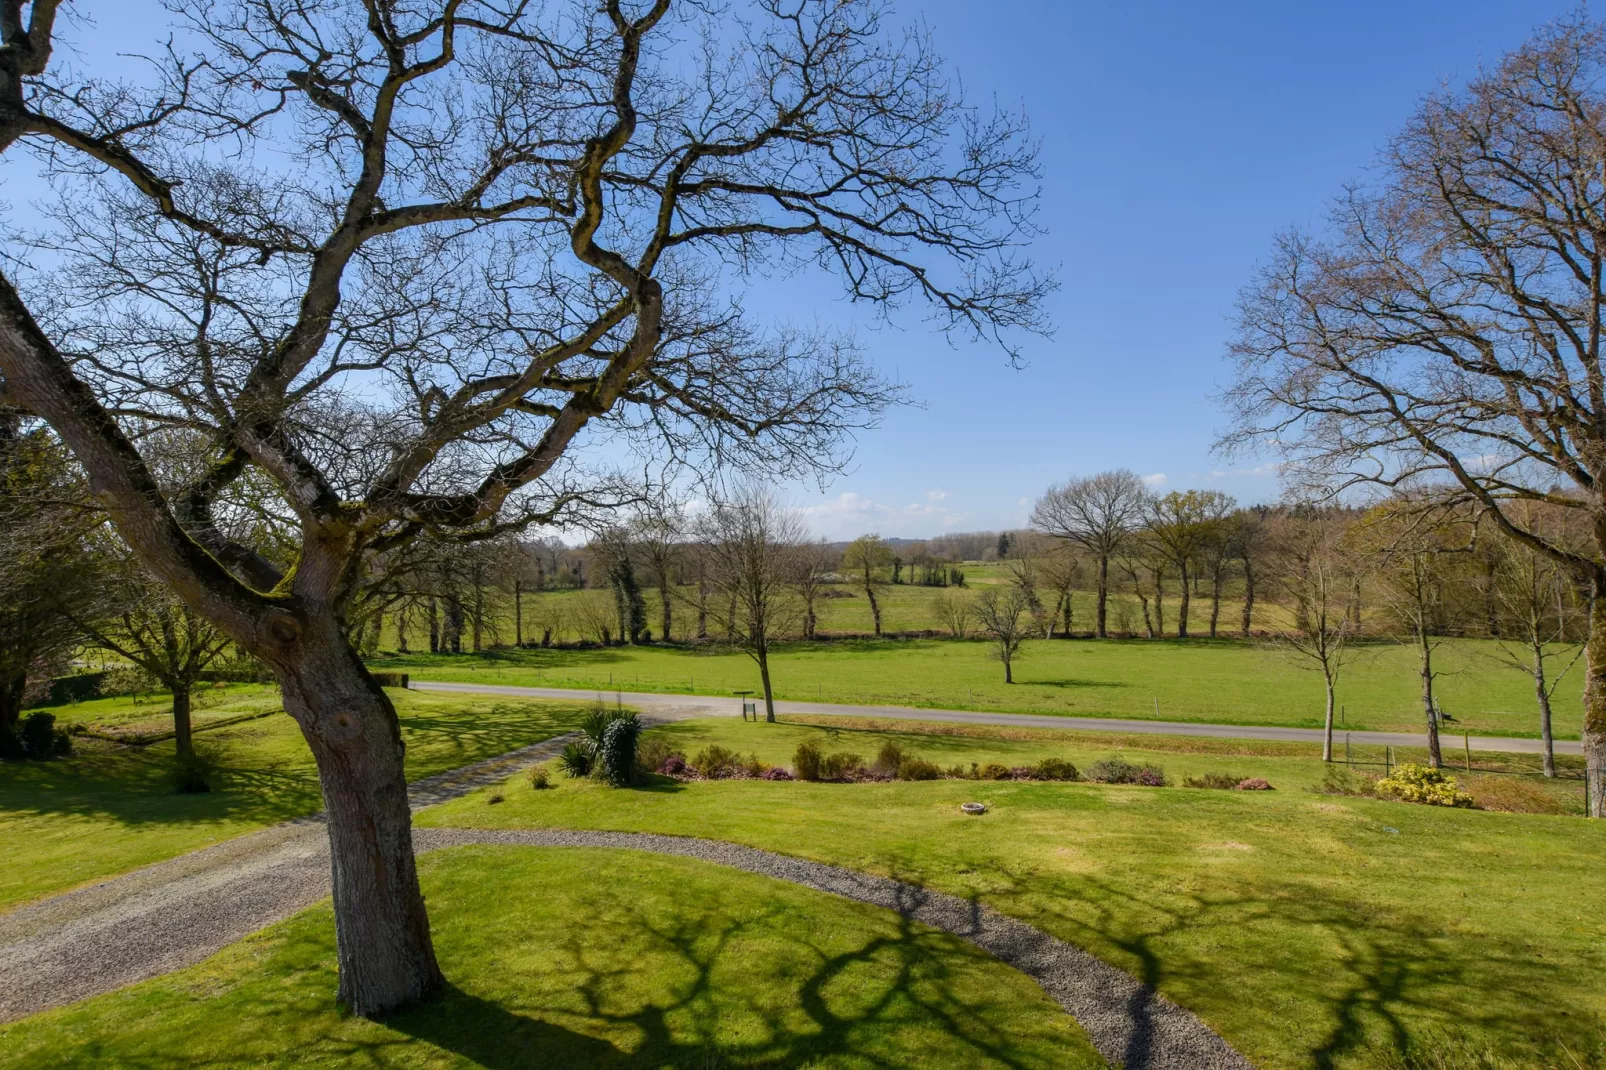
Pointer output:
x,y
616,759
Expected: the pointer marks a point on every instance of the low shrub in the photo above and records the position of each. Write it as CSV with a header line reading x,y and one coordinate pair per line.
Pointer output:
x,y
959,772
1055,769
993,771
1342,780
1422,784
912,768
674,765
1224,781
714,762
807,760
540,778
494,799
751,766
1118,770
888,759
193,773
776,773
1254,783
652,752
1023,772
575,759
840,766
41,739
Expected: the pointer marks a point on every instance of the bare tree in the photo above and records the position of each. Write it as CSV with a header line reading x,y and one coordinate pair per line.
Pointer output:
x,y
1542,614
1314,572
1097,513
1446,331
658,537
1006,616
158,633
953,611
868,558
752,542
1180,525
506,228
814,564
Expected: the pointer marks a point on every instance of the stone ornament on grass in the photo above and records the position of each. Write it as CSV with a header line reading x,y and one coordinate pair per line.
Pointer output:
x,y
974,808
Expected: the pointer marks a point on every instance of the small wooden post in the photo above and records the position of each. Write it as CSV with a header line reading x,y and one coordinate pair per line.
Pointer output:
x,y
1466,742
1388,761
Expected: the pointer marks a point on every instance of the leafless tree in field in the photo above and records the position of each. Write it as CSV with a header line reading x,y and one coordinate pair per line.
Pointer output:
x,y
1097,513
953,611
867,558
488,235
1447,330
1314,571
1005,614
752,542
1544,621
813,565
1180,525
658,537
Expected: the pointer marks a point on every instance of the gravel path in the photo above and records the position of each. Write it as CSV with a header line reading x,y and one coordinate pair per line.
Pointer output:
x,y
712,706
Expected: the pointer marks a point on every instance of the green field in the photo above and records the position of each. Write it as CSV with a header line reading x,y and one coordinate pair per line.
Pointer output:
x,y
1311,930
590,958
110,808
1222,681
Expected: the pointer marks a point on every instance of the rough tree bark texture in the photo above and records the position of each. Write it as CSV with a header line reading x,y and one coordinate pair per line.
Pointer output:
x,y
1594,728
386,956
183,740
1425,662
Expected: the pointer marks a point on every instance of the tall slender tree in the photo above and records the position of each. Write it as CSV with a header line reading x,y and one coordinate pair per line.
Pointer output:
x,y
1097,513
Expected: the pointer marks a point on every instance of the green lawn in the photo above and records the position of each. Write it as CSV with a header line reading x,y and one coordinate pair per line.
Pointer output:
x,y
1311,930
1223,681
110,808
589,958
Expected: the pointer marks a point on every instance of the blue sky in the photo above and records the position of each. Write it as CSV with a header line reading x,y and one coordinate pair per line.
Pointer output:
x,y
1177,139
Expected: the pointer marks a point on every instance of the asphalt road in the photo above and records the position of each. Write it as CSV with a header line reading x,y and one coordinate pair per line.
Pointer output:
x,y
681,706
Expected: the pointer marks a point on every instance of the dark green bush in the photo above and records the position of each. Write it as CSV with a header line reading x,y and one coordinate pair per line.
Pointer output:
x,y
652,752
575,759
40,738
616,758
994,771
1118,770
887,759
807,760
1055,769
913,768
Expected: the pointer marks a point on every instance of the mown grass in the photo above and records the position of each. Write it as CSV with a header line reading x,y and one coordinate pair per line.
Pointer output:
x,y
590,958
111,808
1311,930
1222,681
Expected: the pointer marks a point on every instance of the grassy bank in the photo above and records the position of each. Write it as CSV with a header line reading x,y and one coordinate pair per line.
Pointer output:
x,y
589,958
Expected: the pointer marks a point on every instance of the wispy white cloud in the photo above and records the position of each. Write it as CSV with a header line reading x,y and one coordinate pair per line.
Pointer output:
x,y
936,495
1152,482
850,514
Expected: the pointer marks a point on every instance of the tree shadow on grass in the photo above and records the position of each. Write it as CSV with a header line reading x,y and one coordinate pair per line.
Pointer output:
x,y
1367,986
496,1038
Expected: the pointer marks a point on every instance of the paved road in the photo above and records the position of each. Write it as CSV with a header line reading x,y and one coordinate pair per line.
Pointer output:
x,y
680,706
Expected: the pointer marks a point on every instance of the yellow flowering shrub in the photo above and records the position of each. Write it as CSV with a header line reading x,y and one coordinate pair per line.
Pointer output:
x,y
1422,784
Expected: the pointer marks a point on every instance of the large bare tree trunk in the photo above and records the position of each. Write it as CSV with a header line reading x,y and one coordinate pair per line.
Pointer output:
x,y
183,737
386,957
1104,596
1594,728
